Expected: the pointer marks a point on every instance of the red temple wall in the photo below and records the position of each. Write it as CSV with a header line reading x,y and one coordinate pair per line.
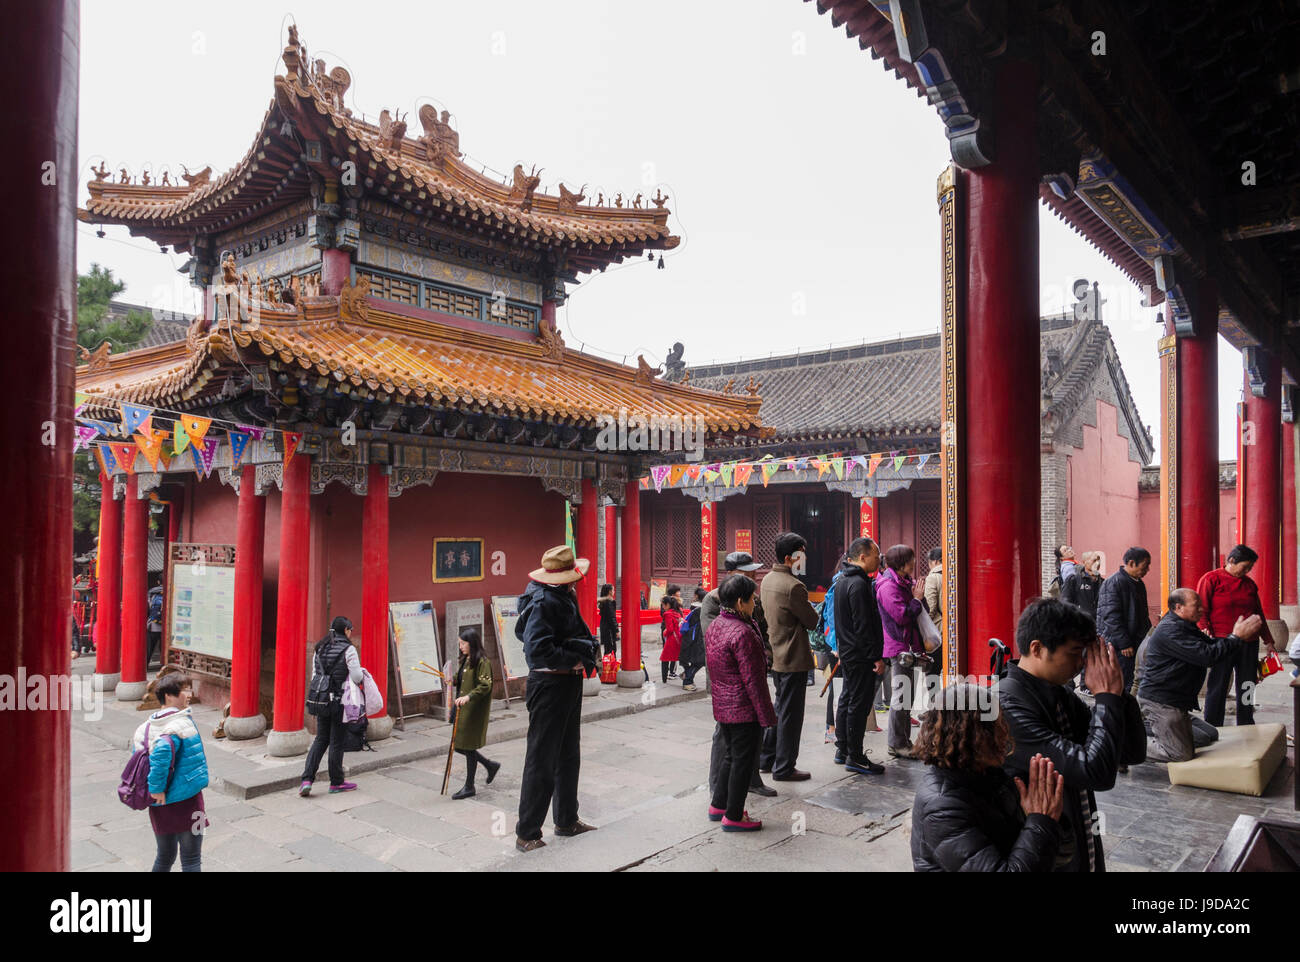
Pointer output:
x,y
1149,535
1102,492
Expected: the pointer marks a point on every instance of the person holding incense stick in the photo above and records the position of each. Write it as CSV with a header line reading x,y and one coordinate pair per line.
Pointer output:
x,y
473,703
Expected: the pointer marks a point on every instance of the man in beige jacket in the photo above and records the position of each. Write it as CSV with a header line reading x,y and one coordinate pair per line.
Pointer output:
x,y
789,617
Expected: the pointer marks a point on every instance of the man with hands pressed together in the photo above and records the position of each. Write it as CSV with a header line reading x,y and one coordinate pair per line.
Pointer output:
x,y
1177,655
1087,746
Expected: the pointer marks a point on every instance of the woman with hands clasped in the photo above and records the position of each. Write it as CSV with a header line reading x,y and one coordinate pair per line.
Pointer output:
x,y
969,815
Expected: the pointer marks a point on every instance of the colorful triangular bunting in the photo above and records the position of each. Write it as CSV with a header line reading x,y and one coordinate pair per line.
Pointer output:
x,y
743,471
135,418
238,442
675,473
873,464
197,427
291,441
837,464
124,454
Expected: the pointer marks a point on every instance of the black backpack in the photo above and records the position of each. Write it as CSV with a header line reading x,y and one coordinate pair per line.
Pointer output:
x,y
323,696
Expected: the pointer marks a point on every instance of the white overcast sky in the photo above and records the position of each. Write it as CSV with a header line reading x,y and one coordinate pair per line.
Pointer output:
x,y
800,172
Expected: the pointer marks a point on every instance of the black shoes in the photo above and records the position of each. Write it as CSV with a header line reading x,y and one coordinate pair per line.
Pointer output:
x,y
465,792
864,766
794,776
760,789
840,758
492,769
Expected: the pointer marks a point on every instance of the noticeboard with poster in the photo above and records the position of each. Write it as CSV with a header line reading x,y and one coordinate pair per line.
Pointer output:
x,y
745,540
505,612
201,606
415,641
658,588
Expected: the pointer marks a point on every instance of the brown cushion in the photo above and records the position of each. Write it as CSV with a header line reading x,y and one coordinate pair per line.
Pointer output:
x,y
1242,760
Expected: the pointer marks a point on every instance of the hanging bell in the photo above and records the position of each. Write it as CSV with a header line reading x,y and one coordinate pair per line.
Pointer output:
x,y
100,232
661,261
650,255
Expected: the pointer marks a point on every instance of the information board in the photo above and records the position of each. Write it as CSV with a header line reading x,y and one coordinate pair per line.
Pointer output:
x,y
415,639
505,612
202,609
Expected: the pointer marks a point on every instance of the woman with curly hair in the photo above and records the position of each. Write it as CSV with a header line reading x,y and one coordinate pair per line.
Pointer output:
x,y
969,816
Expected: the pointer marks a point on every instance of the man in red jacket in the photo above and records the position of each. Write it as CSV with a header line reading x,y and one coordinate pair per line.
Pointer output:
x,y
1229,593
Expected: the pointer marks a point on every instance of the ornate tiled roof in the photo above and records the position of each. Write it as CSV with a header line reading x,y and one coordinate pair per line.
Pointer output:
x,y
394,358
885,388
890,389
426,175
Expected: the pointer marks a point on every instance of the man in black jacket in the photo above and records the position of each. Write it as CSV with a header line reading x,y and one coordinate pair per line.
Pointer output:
x,y
1123,619
1177,656
860,645
559,648
1087,747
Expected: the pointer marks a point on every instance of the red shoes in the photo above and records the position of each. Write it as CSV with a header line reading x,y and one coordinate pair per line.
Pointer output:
x,y
746,824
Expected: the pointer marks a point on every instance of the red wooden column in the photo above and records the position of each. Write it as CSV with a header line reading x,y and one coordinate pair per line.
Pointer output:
x,y
1198,443
1262,452
287,736
374,592
611,544
630,588
38,275
1290,588
588,545
1001,379
135,592
335,270
245,720
108,652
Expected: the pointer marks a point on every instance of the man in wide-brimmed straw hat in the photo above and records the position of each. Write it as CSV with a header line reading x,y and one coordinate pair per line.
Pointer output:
x,y
559,648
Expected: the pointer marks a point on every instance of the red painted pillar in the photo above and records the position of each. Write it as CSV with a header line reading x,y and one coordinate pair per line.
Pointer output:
x,y
108,652
1290,588
135,593
245,720
630,584
588,545
374,581
288,736
1262,504
611,544
335,270
1198,443
1001,382
38,275
548,312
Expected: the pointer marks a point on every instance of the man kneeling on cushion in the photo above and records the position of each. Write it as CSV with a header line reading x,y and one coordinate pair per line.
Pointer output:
x,y
1176,661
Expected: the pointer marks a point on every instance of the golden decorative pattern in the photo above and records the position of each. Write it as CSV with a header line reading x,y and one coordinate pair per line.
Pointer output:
x,y
950,463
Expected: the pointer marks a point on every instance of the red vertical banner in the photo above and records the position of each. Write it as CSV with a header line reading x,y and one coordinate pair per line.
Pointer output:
x,y
1241,472
867,519
709,555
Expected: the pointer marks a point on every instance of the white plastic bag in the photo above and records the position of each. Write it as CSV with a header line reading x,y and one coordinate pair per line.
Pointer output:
x,y
930,636
1294,650
374,700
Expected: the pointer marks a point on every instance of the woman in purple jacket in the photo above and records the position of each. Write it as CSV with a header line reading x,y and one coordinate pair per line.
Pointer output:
x,y
899,598
742,704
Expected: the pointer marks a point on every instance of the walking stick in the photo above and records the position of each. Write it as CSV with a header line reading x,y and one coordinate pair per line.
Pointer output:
x,y
830,678
451,750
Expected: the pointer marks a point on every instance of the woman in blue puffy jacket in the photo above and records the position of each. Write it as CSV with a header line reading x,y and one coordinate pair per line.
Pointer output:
x,y
177,813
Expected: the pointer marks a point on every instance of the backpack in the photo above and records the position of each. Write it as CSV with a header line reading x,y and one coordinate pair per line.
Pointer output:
x,y
691,625
826,622
322,696
1054,589
133,790
354,735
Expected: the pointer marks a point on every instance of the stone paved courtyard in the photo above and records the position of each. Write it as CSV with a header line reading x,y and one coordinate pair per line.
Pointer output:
x,y
642,783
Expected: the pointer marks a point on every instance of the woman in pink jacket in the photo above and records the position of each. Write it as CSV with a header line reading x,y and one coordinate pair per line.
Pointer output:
x,y
742,705
670,618
898,596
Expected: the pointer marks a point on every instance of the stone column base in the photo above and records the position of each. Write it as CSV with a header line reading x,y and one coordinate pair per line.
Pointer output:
x,y
1281,636
288,744
379,728
243,728
631,679
106,683
131,690
591,686
1291,615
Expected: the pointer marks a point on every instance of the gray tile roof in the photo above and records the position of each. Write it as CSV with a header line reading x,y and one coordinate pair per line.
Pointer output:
x,y
885,388
168,326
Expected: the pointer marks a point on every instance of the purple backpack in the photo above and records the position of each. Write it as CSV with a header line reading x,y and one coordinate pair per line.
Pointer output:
x,y
133,792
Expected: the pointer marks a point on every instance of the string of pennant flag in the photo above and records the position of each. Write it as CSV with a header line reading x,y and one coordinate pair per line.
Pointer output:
x,y
738,473
163,436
